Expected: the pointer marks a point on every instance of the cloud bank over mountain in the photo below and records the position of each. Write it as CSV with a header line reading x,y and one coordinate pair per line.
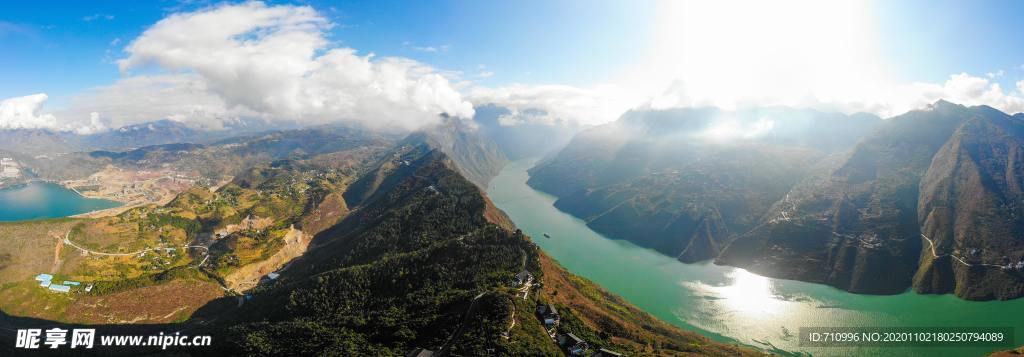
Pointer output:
x,y
554,104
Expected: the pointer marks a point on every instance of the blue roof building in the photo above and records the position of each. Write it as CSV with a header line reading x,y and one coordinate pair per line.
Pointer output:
x,y
60,288
44,277
73,283
44,283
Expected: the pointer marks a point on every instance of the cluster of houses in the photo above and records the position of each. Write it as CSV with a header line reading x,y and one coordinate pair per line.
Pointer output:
x,y
548,315
572,344
576,346
46,281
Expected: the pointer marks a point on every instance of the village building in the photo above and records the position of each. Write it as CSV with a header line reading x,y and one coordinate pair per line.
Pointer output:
x,y
548,314
572,344
59,288
524,277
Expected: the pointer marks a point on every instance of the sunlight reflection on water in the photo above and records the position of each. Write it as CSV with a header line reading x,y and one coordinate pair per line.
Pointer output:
x,y
749,293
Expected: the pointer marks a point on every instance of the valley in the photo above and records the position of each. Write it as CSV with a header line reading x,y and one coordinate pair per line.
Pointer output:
x,y
731,304
512,178
926,200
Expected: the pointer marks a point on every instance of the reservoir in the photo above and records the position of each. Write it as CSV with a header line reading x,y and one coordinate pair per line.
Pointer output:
x,y
36,200
730,304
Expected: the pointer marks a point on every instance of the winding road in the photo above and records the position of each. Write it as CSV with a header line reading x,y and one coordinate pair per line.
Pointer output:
x,y
68,241
932,244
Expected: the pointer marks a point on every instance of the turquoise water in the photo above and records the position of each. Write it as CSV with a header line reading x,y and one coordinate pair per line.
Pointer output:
x,y
731,304
37,200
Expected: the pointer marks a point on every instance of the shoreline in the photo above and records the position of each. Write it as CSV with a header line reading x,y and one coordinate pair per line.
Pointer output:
x,y
97,213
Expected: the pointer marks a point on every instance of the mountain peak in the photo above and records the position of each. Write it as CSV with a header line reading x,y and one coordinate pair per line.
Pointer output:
x,y
942,103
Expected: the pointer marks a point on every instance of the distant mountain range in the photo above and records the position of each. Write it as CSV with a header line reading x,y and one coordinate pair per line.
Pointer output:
x,y
929,199
46,141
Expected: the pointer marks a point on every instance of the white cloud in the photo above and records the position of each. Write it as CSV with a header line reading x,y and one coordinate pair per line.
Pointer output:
x,y
25,113
996,74
960,88
275,63
550,104
96,125
95,17
969,90
432,49
182,97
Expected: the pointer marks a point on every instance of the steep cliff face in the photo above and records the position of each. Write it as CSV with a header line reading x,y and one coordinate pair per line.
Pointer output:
x,y
970,213
946,172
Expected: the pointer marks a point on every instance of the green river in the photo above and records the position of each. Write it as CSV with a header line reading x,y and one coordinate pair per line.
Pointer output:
x,y
730,304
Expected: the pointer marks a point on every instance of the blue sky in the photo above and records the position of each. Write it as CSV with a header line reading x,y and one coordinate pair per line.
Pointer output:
x,y
589,60
928,40
568,42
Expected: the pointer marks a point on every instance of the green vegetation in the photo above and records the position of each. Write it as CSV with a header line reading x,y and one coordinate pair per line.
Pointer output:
x,y
411,267
406,253
181,272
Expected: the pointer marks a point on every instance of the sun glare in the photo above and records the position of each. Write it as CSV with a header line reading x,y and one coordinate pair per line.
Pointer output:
x,y
749,293
731,53
728,130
